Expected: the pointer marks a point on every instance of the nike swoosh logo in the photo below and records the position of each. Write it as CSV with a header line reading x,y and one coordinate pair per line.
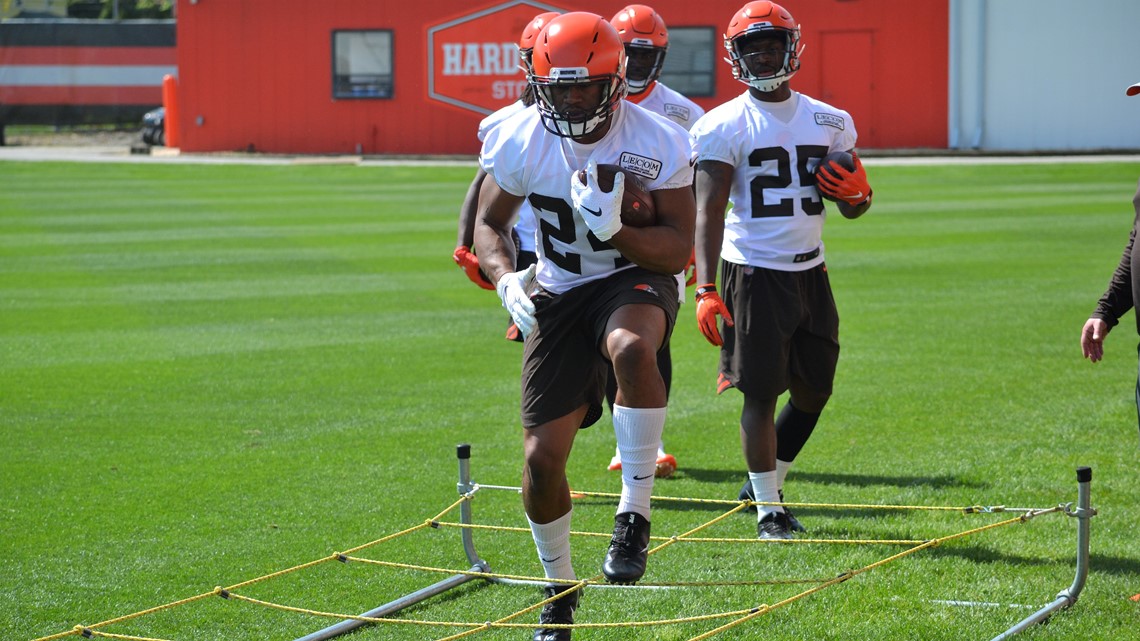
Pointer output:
x,y
641,478
546,560
858,195
592,212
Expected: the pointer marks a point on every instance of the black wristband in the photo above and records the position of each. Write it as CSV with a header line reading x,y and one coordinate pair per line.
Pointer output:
x,y
705,289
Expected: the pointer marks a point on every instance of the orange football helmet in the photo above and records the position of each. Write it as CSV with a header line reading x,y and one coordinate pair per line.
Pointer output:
x,y
643,32
530,34
577,50
756,19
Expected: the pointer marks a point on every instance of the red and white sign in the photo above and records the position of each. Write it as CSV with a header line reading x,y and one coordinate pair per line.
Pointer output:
x,y
473,60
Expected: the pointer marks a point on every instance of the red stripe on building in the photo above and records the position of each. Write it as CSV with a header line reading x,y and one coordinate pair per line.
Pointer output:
x,y
78,95
88,56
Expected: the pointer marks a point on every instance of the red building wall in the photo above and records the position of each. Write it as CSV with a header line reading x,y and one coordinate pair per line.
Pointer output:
x,y
257,74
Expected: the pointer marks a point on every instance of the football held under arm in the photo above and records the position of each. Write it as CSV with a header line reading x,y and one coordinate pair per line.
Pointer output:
x,y
666,246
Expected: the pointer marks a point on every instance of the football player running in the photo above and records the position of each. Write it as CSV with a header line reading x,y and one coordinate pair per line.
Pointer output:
x,y
602,292
646,40
524,226
760,150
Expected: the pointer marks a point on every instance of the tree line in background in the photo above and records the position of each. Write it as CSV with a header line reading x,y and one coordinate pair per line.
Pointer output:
x,y
88,9
120,9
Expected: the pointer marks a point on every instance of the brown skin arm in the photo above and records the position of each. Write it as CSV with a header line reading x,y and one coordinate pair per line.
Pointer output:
x,y
468,211
666,246
713,185
493,244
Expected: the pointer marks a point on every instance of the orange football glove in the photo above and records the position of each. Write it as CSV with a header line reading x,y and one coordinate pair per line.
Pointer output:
x,y
849,186
709,306
470,264
691,269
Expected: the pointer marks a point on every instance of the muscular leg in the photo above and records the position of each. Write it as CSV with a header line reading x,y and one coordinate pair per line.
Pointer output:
x,y
546,448
546,492
633,336
758,433
666,464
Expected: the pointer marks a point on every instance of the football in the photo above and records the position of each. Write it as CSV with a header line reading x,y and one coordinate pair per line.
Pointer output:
x,y
637,208
842,158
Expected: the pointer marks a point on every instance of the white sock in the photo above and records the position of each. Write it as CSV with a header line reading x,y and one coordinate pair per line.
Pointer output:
x,y
660,452
552,540
764,489
638,432
782,468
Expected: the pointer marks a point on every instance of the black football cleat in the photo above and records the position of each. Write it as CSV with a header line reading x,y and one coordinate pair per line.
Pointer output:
x,y
746,495
774,526
557,612
629,548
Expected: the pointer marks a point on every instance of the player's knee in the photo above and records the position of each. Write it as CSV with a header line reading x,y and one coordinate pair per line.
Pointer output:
x,y
543,469
811,401
631,354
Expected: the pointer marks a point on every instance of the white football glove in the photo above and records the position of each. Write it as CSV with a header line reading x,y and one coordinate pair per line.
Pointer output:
x,y
512,288
600,210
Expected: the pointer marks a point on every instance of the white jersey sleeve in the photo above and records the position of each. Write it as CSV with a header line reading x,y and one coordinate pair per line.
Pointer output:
x,y
671,104
527,160
491,121
776,214
524,225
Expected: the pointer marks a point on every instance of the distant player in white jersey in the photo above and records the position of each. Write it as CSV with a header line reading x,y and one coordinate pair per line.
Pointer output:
x,y
646,40
524,229
601,293
760,150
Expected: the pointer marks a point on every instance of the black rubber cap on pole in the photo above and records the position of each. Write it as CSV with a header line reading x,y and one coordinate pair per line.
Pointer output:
x,y
463,450
1084,474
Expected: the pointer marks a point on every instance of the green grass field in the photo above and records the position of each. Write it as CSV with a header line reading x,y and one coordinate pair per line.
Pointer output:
x,y
212,373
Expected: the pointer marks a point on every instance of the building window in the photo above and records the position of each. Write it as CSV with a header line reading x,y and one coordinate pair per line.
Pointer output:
x,y
690,63
362,64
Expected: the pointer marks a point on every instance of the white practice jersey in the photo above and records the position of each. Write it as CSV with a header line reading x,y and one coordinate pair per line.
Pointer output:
x,y
525,226
776,215
527,160
662,100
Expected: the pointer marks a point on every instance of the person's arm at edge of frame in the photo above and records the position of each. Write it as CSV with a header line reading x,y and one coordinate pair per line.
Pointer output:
x,y
1115,302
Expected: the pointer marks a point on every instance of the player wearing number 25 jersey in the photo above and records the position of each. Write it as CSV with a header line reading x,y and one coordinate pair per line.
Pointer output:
x,y
776,215
780,327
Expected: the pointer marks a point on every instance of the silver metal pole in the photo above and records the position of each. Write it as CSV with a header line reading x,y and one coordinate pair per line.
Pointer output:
x,y
1067,597
478,565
